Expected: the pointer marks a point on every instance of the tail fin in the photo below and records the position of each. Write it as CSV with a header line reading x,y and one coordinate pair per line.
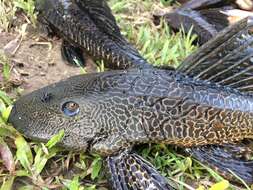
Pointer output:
x,y
130,171
226,158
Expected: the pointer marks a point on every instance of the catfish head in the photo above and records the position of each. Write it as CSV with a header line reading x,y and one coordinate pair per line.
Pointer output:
x,y
64,105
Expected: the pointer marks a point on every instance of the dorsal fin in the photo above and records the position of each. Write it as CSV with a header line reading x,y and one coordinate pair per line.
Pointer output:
x,y
227,59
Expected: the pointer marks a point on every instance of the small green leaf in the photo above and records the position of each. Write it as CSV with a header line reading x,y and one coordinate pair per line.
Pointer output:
x,y
96,167
74,184
7,131
167,2
27,187
39,161
22,173
6,113
2,106
92,187
5,98
7,185
24,154
6,71
55,139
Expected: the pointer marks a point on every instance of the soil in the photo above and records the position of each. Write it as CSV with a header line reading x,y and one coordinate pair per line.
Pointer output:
x,y
37,61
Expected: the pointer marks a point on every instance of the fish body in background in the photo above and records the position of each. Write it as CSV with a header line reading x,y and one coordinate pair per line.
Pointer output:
x,y
205,18
88,26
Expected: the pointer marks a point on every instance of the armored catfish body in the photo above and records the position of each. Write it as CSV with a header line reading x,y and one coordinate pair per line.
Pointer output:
x,y
117,109
207,100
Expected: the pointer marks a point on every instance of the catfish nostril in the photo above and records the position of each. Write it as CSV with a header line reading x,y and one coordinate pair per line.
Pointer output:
x,y
46,97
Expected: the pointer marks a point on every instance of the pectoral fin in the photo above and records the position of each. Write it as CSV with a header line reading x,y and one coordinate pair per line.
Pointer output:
x,y
101,14
130,171
72,54
226,158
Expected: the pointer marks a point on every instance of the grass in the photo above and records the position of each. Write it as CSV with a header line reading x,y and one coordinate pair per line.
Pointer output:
x,y
9,8
158,44
7,13
45,165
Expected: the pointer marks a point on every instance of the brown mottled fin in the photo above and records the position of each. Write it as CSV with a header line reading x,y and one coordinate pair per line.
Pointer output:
x,y
227,59
101,14
130,171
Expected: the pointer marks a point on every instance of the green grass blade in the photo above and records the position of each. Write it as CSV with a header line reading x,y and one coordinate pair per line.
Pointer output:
x,y
55,139
24,153
7,184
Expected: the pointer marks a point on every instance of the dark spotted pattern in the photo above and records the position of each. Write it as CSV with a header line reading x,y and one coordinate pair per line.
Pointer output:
x,y
130,171
121,108
108,113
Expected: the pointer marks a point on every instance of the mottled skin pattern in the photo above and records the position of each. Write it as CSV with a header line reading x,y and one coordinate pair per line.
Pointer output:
x,y
121,108
139,173
89,24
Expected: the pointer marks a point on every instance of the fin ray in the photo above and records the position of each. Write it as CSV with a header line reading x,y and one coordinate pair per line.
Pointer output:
x,y
226,158
101,14
72,54
226,59
130,171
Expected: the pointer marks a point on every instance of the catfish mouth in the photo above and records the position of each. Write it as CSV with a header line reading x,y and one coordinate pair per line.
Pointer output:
x,y
16,119
24,124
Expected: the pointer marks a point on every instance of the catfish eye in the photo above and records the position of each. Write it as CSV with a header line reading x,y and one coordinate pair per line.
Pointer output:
x,y
70,108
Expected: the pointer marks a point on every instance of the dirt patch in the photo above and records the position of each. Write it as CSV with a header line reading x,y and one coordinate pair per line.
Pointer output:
x,y
37,64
